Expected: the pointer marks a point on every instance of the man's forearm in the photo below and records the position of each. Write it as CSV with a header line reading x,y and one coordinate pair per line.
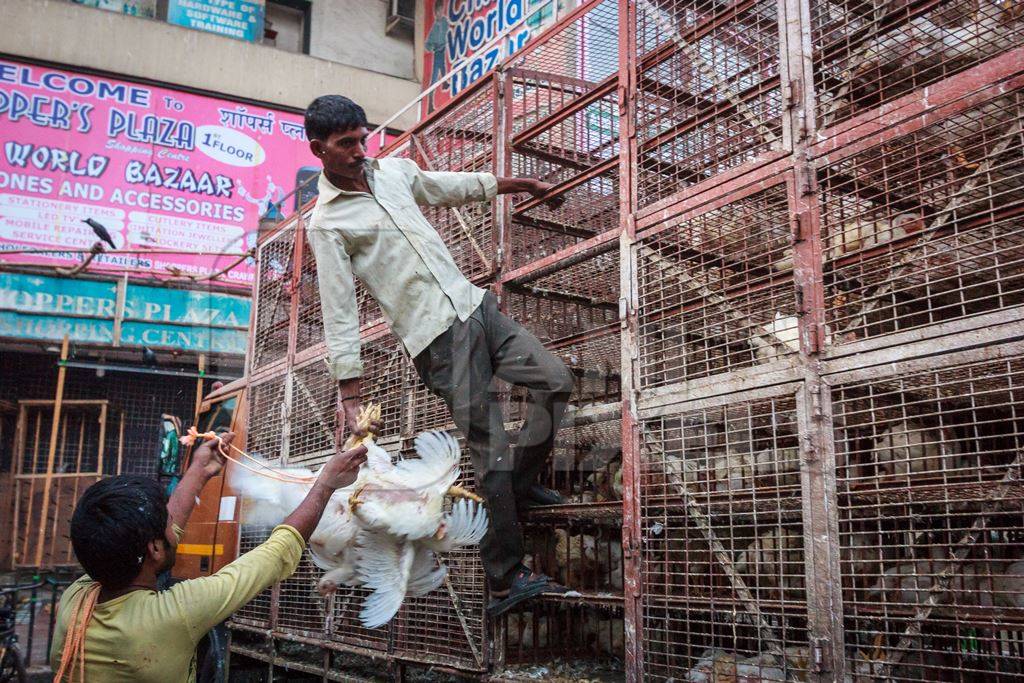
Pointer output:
x,y
183,498
348,388
305,517
514,185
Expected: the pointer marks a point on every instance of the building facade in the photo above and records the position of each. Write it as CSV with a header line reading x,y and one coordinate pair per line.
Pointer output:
x,y
176,127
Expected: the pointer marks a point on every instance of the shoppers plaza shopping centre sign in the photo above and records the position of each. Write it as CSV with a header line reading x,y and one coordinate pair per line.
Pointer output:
x,y
159,168
121,314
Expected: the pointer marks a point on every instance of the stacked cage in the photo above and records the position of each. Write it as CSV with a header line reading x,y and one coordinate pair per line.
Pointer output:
x,y
561,281
826,340
782,261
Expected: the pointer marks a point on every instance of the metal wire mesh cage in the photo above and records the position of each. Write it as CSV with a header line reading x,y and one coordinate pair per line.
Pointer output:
x,y
313,419
919,229
708,90
724,573
309,317
463,140
300,608
867,55
930,519
716,290
256,612
562,116
273,299
265,433
447,626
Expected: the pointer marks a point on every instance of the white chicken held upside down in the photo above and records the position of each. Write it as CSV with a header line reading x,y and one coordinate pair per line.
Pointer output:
x,y
383,532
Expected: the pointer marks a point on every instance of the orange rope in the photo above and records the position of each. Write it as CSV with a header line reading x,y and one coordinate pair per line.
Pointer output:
x,y
368,414
266,471
73,654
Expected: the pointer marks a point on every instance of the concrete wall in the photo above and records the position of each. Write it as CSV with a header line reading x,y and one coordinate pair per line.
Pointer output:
x,y
58,31
352,32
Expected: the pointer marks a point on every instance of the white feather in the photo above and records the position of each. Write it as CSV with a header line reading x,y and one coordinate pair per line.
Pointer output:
x,y
465,525
267,501
426,575
384,567
377,459
437,467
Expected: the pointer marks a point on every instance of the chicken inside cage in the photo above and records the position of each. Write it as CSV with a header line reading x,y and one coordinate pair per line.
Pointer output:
x,y
931,557
873,57
586,465
922,229
587,557
549,633
923,607
731,450
716,290
904,437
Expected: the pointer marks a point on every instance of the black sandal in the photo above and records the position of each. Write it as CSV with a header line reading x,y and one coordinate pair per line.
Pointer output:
x,y
525,585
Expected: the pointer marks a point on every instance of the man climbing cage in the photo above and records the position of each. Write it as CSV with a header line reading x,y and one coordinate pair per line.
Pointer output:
x,y
367,224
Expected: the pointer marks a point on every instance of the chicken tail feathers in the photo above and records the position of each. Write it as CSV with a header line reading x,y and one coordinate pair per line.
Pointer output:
x,y
466,524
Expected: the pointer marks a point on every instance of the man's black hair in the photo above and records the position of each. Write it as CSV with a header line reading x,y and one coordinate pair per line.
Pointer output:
x,y
113,522
333,114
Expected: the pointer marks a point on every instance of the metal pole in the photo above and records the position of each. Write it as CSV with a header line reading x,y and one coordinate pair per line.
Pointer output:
x,y
631,538
813,400
31,623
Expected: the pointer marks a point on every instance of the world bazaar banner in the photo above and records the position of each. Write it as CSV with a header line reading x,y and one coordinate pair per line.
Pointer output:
x,y
160,169
456,31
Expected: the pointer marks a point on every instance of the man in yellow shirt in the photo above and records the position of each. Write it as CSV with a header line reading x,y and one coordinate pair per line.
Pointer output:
x,y
124,532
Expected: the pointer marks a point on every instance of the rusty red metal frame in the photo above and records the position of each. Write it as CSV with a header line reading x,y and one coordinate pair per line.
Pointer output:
x,y
631,522
807,377
959,92
563,258
757,172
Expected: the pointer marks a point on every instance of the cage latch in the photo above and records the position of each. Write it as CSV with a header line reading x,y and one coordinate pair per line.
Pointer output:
x,y
819,661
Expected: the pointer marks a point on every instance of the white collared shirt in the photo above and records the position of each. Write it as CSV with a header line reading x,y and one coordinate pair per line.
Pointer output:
x,y
384,239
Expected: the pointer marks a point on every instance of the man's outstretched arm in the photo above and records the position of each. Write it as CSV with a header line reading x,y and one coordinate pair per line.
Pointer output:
x,y
205,464
340,471
447,188
538,188
205,602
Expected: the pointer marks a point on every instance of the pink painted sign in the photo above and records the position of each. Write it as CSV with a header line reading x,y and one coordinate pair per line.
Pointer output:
x,y
161,170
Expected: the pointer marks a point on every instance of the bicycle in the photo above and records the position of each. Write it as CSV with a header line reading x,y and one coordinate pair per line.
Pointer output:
x,y
12,665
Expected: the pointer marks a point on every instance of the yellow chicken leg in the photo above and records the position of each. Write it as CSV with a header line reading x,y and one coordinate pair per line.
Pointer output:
x,y
353,500
459,492
368,414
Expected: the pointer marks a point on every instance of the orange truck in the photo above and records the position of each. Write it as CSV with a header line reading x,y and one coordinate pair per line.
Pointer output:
x,y
211,536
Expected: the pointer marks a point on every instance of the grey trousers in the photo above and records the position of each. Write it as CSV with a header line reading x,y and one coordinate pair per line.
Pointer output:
x,y
459,366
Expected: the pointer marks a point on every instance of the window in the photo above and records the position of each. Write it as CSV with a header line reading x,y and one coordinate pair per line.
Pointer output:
x,y
286,25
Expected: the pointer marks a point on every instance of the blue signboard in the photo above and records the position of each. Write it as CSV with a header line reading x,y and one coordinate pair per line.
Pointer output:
x,y
43,327
189,338
47,308
242,19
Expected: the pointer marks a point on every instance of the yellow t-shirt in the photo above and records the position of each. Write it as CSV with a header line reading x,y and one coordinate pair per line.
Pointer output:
x,y
150,636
